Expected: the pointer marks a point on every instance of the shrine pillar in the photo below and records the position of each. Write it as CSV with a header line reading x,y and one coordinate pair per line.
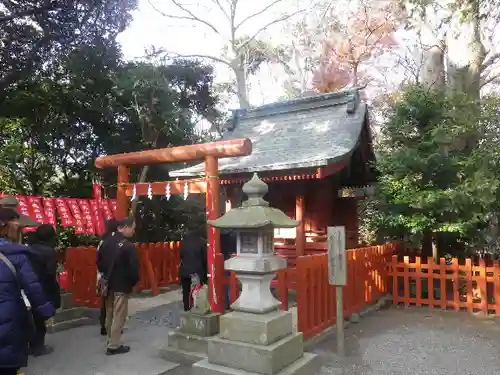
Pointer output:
x,y
122,202
300,238
213,234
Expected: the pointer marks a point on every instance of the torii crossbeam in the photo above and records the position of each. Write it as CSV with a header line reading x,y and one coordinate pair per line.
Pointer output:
x,y
210,153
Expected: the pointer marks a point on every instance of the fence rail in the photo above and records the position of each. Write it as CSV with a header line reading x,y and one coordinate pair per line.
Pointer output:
x,y
368,280
159,267
466,285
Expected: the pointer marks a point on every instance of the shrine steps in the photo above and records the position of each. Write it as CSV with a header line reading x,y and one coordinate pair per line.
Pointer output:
x,y
68,316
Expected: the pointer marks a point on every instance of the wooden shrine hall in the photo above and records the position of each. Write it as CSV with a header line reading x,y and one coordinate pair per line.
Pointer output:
x,y
316,155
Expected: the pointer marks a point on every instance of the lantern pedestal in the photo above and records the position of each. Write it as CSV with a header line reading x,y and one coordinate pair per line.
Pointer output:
x,y
251,344
256,338
255,275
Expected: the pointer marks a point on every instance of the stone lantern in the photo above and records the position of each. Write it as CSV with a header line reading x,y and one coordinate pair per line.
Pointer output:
x,y
256,337
256,263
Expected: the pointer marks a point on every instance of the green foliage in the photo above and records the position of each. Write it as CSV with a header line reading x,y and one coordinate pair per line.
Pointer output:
x,y
36,34
430,183
85,101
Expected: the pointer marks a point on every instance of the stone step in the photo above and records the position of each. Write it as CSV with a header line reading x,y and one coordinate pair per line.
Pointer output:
x,y
180,356
66,301
308,364
68,324
186,342
264,359
68,314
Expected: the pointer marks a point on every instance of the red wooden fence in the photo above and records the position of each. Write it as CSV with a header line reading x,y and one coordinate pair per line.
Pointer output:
x,y
464,285
368,280
159,265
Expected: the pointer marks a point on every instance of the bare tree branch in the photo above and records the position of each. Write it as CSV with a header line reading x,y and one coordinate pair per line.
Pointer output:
x,y
201,56
280,19
219,5
248,18
490,61
190,15
487,80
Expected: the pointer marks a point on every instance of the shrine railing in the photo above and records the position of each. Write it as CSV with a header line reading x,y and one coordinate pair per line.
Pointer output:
x,y
159,267
368,280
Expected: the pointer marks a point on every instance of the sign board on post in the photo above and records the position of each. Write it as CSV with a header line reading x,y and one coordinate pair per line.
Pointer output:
x,y
337,272
337,263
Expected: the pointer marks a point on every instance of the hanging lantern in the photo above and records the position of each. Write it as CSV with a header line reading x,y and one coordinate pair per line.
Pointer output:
x,y
167,191
186,191
134,194
150,192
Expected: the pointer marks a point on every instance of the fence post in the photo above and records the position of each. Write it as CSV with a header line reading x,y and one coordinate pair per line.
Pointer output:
x,y
283,289
395,280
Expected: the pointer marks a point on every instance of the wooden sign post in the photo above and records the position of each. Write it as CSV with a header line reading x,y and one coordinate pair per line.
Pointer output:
x,y
337,273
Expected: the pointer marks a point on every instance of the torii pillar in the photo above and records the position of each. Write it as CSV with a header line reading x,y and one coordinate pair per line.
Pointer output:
x,y
210,153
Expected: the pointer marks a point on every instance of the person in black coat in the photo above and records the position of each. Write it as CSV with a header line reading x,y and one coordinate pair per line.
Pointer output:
x,y
43,259
117,262
111,227
193,262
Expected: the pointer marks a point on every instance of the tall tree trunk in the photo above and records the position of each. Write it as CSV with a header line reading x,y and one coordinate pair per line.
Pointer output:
x,y
142,179
433,68
241,85
142,176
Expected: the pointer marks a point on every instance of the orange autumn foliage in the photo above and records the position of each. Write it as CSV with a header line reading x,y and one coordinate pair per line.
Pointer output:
x,y
350,45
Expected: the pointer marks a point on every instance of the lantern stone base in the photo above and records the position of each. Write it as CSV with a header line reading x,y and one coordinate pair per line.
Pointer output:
x,y
257,344
308,364
262,329
189,343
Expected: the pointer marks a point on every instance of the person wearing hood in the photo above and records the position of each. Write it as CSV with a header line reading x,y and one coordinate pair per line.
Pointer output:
x,y
43,259
17,277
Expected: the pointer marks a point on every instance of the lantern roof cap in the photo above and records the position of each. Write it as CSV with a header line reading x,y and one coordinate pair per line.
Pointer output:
x,y
255,212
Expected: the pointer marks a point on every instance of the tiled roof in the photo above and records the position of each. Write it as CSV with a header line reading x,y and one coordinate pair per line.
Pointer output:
x,y
302,133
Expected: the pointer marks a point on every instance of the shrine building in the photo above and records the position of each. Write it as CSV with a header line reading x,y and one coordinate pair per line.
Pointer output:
x,y
315,154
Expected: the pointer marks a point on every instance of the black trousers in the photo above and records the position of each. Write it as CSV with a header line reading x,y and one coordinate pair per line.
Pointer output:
x,y
38,338
102,315
9,370
186,290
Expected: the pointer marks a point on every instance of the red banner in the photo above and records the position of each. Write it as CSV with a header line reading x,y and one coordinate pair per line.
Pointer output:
x,y
108,214
96,214
23,209
79,220
87,216
36,209
50,211
97,192
64,213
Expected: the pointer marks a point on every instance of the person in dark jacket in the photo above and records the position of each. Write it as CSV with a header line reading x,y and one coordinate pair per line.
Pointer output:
x,y
16,273
193,262
43,260
111,227
228,248
117,262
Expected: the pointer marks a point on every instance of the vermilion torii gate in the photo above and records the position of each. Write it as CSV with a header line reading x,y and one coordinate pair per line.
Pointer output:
x,y
210,153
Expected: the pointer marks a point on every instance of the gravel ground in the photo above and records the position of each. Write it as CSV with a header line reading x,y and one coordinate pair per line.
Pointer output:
x,y
411,341
396,341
